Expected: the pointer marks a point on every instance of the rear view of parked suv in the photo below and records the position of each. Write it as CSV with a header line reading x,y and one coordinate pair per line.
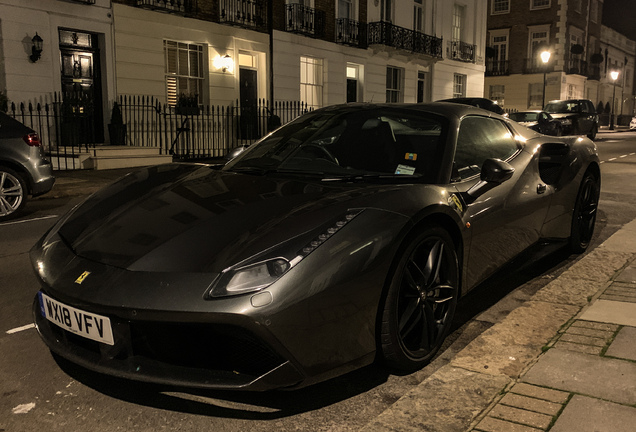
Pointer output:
x,y
577,116
24,170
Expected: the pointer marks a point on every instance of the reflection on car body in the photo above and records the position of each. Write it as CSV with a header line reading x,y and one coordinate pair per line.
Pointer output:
x,y
539,121
346,236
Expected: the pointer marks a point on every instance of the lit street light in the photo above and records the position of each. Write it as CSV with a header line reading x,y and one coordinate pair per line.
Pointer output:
x,y
545,58
614,76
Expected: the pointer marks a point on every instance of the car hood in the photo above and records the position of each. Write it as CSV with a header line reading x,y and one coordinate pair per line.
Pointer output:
x,y
559,116
192,218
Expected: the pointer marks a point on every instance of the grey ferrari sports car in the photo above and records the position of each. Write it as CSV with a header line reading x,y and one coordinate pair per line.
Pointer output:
x,y
344,237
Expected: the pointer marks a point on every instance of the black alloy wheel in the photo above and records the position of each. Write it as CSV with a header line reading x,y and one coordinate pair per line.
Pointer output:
x,y
593,132
421,301
13,193
584,214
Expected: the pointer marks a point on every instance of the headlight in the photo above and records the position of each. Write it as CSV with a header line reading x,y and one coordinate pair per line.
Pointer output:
x,y
566,122
250,277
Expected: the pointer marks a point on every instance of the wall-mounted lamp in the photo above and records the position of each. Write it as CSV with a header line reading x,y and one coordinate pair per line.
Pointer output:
x,y
224,63
36,50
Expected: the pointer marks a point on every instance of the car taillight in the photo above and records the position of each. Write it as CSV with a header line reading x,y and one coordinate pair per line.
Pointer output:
x,y
32,139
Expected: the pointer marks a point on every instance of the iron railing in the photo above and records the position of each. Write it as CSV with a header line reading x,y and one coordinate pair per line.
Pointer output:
x,y
399,37
246,13
462,51
497,67
350,32
65,126
206,132
174,6
304,20
534,65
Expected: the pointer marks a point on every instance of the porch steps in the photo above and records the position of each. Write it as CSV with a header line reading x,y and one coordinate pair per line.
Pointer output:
x,y
108,157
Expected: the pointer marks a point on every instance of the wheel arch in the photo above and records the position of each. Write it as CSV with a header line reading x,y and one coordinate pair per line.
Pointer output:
x,y
20,170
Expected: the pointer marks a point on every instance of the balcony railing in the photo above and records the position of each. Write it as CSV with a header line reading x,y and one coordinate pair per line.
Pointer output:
x,y
84,1
462,51
401,38
185,7
534,65
304,20
245,13
350,32
497,67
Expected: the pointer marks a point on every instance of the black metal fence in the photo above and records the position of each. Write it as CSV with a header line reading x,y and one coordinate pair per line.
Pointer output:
x,y
67,127
204,131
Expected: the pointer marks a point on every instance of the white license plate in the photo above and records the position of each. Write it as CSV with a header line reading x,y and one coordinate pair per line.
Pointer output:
x,y
77,321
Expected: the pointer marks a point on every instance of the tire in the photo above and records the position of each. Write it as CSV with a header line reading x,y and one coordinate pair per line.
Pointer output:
x,y
421,301
584,214
593,132
13,193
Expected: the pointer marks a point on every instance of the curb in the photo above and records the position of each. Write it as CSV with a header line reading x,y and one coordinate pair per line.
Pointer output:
x,y
460,395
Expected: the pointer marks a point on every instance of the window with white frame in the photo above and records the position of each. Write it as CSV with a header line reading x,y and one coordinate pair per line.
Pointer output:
x,y
459,85
346,9
537,35
394,84
311,82
499,43
497,93
499,6
539,4
418,14
594,11
535,96
184,71
458,22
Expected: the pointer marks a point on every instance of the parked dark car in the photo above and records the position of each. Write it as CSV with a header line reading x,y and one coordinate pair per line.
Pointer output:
x,y
483,103
346,236
24,170
539,121
577,116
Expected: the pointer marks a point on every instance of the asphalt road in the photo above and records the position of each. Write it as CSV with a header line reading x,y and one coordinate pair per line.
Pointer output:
x,y
39,392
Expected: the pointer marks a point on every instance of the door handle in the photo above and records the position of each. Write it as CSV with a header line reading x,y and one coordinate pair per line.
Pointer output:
x,y
541,188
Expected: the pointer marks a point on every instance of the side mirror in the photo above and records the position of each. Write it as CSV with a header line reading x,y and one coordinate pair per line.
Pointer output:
x,y
235,152
493,173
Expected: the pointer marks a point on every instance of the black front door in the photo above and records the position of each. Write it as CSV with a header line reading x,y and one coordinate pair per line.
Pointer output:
x,y
81,89
248,98
352,90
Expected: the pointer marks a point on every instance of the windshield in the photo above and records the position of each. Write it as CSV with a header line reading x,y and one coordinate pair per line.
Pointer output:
x,y
350,142
562,107
524,117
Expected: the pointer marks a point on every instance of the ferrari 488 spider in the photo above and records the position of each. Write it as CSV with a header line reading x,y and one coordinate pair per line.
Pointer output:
x,y
344,237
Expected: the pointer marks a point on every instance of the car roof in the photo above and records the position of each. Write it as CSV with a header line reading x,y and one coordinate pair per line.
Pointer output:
x,y
443,108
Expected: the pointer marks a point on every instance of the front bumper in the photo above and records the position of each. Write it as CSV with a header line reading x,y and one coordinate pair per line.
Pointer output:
x,y
189,354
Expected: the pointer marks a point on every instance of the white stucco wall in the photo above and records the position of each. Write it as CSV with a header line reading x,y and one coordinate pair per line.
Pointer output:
x,y
25,81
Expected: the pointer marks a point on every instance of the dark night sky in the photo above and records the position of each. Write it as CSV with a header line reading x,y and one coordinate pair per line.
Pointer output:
x,y
620,15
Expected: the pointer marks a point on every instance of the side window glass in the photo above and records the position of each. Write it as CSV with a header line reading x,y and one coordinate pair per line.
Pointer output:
x,y
584,107
481,138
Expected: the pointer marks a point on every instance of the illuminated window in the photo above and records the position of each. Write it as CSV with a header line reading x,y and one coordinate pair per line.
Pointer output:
x,y
311,82
184,69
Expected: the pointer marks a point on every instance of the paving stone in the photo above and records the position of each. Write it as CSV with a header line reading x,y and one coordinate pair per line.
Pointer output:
x,y
601,264
569,288
447,401
619,298
510,346
622,241
490,424
595,325
581,331
584,414
611,312
606,378
624,346
530,404
587,349
627,275
536,392
516,415
585,340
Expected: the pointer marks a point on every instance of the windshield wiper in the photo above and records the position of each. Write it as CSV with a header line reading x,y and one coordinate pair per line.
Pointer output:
x,y
365,177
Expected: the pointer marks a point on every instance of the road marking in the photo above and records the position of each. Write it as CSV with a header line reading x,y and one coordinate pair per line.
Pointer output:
x,y
612,159
19,329
29,220
623,156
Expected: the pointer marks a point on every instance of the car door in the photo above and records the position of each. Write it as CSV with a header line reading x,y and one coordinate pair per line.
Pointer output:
x,y
585,118
508,218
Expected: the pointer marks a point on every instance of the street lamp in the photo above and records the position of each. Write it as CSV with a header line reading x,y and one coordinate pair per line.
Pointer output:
x,y
614,76
545,58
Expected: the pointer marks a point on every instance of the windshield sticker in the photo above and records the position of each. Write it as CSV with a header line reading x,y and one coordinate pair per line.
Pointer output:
x,y
405,169
411,156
